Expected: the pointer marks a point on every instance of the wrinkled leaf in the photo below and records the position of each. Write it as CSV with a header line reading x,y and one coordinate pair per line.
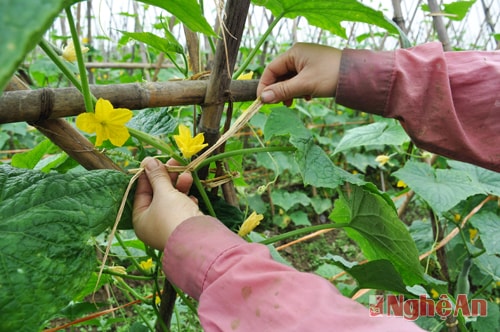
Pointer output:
x,y
378,133
154,121
374,225
442,189
328,15
186,11
47,222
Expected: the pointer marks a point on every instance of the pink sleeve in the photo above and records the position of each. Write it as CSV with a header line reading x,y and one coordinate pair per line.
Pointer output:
x,y
448,102
241,288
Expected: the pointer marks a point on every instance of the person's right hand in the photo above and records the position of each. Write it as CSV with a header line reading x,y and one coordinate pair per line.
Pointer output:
x,y
305,70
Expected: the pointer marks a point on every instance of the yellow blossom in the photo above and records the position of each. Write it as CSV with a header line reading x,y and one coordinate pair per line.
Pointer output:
x,y
157,299
250,223
69,52
472,235
107,122
401,184
188,144
382,159
457,217
118,269
147,265
434,293
246,76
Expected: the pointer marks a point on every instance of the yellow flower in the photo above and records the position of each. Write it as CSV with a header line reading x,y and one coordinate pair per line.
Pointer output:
x,y
107,122
434,293
382,159
250,223
118,269
472,235
401,184
69,52
457,217
188,144
246,76
147,265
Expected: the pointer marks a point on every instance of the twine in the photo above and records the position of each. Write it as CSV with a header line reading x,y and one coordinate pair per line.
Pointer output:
x,y
240,122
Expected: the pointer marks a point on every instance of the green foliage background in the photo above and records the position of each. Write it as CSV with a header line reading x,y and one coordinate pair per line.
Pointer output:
x,y
313,168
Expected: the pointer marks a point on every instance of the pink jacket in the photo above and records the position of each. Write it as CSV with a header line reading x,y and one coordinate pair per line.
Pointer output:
x,y
241,288
448,102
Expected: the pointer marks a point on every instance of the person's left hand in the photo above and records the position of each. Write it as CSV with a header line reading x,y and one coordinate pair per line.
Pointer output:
x,y
161,202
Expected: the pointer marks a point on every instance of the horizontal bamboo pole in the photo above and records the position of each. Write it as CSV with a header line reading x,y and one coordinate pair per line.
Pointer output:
x,y
126,65
48,103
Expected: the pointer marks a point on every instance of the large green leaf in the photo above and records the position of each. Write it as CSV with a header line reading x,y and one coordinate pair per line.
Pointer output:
x,y
167,45
442,189
328,15
47,223
374,225
22,24
187,11
481,177
315,166
488,224
377,274
378,133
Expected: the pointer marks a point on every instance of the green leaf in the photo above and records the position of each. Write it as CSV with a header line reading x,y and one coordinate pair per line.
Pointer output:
x,y
442,189
166,45
328,15
22,24
284,122
315,166
377,274
187,11
375,226
30,159
300,218
490,322
378,133
458,9
287,199
46,226
488,223
154,121
481,177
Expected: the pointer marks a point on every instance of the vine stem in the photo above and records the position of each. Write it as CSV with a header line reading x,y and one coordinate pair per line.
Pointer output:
x,y
300,231
254,51
85,88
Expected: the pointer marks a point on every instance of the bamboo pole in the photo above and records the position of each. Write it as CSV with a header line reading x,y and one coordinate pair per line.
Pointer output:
x,y
218,91
62,134
47,103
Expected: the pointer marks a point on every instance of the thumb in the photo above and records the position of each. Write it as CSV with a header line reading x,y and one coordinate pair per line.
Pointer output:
x,y
157,175
282,91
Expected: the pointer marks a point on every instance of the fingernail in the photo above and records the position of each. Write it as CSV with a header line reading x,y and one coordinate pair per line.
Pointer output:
x,y
267,96
151,163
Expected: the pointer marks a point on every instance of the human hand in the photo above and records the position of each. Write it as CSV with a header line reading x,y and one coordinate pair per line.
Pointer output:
x,y
305,70
161,202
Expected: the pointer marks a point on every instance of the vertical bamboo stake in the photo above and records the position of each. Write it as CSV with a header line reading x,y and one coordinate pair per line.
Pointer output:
x,y
236,12
439,25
